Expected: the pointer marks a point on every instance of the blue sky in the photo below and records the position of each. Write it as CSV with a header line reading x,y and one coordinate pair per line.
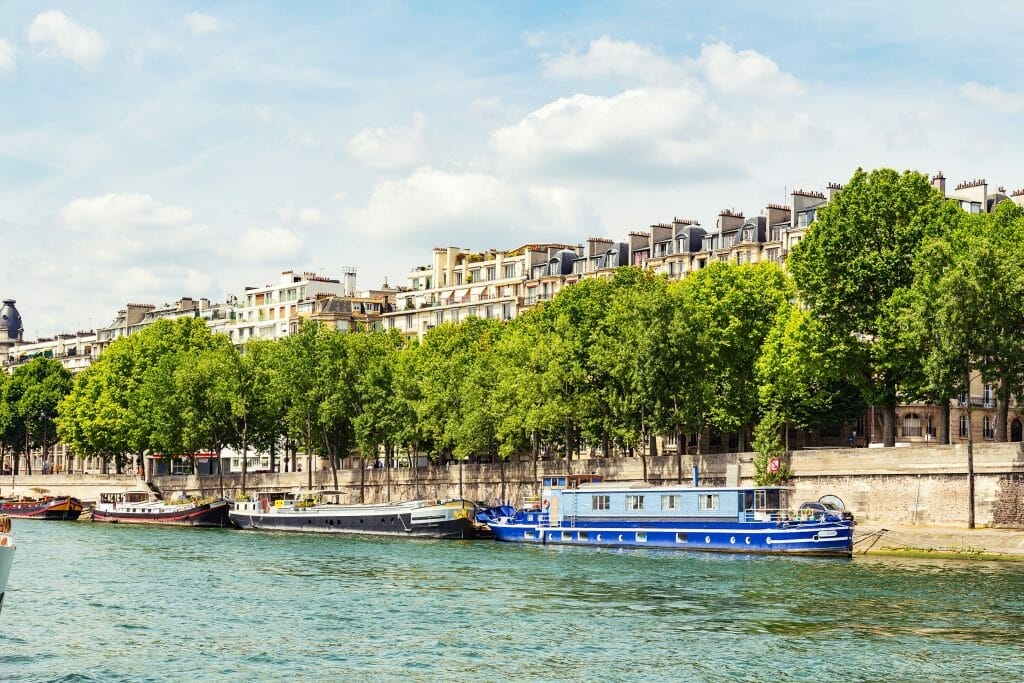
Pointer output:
x,y
154,150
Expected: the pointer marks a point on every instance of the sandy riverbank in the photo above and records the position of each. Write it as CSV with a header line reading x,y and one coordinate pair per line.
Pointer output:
x,y
987,544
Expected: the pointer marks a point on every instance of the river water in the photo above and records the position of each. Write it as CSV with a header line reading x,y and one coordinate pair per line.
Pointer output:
x,y
94,602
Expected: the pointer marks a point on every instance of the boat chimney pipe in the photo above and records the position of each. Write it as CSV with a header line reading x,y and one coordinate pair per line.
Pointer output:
x,y
696,477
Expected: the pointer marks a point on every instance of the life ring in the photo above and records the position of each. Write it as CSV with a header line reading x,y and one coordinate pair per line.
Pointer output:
x,y
3,540
547,503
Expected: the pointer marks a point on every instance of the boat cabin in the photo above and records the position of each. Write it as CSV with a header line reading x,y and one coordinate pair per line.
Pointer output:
x,y
596,501
123,499
559,482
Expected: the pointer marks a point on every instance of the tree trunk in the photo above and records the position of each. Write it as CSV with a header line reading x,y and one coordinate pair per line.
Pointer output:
x,y
331,455
536,457
643,463
501,469
568,440
679,455
387,471
195,472
1002,412
970,456
889,426
652,446
362,479
220,469
28,454
944,416
245,458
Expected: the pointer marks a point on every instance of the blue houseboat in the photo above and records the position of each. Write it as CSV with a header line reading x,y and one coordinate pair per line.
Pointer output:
x,y
582,510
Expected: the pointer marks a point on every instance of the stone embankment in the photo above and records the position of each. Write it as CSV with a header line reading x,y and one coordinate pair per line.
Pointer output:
x,y
919,494
954,542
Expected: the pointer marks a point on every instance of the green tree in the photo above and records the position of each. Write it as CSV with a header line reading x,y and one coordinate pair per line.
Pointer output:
x,y
854,258
802,380
634,352
34,392
300,386
727,313
968,299
376,411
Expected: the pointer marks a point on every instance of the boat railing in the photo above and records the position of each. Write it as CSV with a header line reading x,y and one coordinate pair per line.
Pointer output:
x,y
766,515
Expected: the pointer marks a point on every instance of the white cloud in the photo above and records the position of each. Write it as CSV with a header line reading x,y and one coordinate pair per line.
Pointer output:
x,y
746,72
269,245
7,56
396,147
642,127
609,57
131,227
307,216
993,97
770,127
262,112
432,202
302,136
203,23
534,39
311,217
133,210
55,34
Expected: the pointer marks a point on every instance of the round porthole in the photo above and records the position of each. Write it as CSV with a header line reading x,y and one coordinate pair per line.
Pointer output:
x,y
732,539
748,540
707,539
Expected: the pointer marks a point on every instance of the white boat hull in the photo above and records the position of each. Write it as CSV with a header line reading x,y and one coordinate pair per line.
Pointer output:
x,y
6,560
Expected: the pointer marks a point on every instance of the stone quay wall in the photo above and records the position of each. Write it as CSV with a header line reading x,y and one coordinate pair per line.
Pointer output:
x,y
924,486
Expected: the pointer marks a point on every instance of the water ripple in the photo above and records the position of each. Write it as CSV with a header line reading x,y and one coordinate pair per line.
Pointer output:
x,y
118,603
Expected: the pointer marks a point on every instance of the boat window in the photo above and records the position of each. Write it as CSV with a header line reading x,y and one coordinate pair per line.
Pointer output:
x,y
634,502
681,537
707,501
759,500
583,535
641,537
670,502
600,503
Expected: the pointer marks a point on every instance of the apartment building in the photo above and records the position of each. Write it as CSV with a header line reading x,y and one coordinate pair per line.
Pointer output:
x,y
135,317
459,283
360,311
267,312
499,285
75,351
